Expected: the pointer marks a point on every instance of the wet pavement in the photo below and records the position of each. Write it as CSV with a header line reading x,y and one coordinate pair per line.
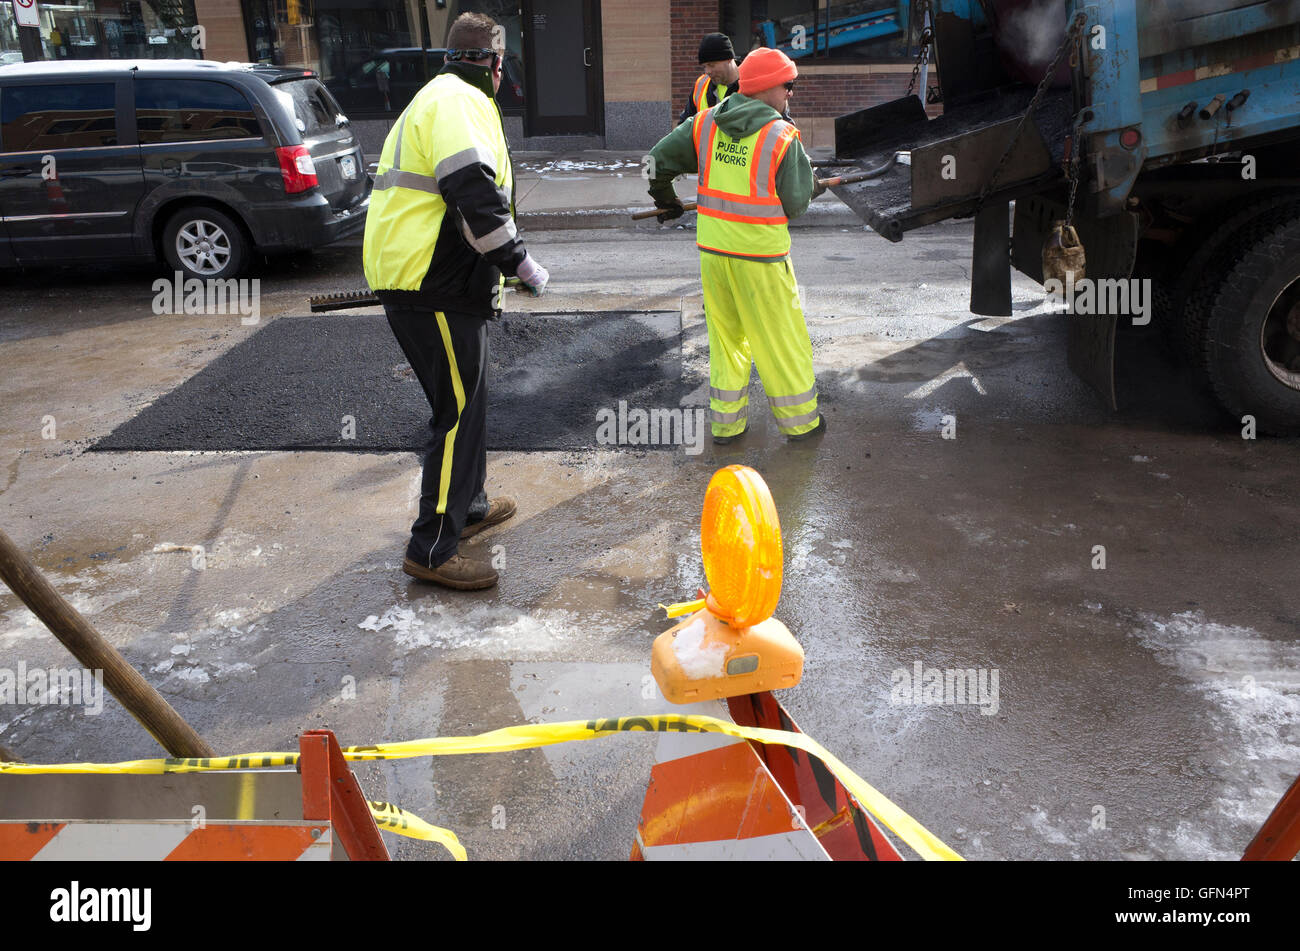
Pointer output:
x,y
1147,709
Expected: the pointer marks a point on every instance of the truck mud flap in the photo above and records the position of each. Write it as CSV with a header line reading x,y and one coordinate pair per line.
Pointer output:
x,y
1091,353
990,269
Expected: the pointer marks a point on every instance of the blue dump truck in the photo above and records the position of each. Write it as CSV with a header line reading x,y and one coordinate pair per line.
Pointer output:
x,y
1166,133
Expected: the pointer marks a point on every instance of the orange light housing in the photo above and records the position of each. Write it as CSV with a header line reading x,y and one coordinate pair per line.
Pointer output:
x,y
730,645
740,536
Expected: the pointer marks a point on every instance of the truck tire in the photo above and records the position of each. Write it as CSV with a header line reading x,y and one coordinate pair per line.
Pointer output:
x,y
1251,345
1208,264
205,243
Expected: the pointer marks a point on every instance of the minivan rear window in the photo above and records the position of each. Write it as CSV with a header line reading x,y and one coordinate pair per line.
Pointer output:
x,y
191,110
45,118
313,106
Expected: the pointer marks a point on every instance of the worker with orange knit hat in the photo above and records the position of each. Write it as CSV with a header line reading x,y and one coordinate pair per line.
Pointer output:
x,y
754,177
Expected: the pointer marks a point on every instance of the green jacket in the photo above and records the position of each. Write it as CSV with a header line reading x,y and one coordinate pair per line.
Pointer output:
x,y
738,116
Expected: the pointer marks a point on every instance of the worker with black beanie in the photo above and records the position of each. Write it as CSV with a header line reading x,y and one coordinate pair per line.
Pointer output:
x,y
721,75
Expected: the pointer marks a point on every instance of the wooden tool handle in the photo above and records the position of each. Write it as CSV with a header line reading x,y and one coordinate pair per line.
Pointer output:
x,y
95,653
655,212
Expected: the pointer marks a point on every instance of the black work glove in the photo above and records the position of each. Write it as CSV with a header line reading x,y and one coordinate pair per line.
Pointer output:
x,y
672,208
665,197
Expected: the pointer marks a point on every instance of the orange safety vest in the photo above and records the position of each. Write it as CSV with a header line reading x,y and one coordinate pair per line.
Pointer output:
x,y
740,213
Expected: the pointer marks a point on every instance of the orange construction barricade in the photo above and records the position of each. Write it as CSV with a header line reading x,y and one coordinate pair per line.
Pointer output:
x,y
315,812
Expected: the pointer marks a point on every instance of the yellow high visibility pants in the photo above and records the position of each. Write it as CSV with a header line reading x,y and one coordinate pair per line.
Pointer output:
x,y
753,314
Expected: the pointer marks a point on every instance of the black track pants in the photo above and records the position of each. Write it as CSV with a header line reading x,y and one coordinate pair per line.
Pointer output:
x,y
448,352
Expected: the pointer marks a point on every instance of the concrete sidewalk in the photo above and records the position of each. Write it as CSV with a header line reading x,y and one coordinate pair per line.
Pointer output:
x,y
599,189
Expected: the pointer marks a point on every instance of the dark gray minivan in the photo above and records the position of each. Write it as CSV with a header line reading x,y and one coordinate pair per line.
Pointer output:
x,y
200,164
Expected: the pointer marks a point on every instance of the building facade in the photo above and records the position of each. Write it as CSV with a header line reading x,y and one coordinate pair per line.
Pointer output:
x,y
578,73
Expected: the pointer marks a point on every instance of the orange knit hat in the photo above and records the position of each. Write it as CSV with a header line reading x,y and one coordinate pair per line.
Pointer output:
x,y
765,68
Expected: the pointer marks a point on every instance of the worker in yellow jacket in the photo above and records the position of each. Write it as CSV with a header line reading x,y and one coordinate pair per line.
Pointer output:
x,y
440,232
753,176
721,76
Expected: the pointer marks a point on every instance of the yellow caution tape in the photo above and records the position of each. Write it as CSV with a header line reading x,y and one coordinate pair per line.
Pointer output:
x,y
153,767
532,735
396,819
529,736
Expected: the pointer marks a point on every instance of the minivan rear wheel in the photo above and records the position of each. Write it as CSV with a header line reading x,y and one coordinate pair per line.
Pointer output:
x,y
205,243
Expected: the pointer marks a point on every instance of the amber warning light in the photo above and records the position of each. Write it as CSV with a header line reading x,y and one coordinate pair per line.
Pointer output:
x,y
730,644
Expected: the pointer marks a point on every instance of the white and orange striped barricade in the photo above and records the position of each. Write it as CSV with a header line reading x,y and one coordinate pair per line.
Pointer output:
x,y
250,813
837,819
716,797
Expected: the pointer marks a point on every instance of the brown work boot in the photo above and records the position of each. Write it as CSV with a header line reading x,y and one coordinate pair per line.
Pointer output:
x,y
456,572
499,509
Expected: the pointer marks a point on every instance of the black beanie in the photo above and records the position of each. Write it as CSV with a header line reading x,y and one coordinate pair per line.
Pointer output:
x,y
716,46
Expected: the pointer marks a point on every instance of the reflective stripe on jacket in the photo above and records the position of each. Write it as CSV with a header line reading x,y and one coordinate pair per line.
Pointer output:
x,y
440,226
740,212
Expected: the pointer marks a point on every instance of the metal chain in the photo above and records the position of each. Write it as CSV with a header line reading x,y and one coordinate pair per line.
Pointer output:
x,y
927,37
1073,175
1071,35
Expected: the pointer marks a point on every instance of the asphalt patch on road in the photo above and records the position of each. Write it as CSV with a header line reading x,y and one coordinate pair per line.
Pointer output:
x,y
293,384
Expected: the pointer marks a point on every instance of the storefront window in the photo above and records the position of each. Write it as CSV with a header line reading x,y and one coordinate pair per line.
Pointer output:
x,y
375,55
282,32
107,29
817,30
10,51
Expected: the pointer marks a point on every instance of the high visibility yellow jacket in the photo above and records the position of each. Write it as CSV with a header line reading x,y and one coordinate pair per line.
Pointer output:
x,y
440,230
754,176
705,95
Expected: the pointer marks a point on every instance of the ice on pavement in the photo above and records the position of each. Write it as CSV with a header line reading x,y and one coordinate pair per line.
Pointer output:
x,y
479,626
578,165
1254,690
21,624
1251,678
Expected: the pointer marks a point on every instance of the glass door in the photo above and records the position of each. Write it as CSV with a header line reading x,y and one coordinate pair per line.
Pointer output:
x,y
562,56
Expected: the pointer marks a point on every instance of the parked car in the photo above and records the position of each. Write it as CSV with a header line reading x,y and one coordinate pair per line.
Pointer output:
x,y
197,163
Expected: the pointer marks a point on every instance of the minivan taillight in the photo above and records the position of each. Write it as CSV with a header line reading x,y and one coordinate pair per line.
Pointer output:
x,y
296,166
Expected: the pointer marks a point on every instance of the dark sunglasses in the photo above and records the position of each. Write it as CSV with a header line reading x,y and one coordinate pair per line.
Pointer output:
x,y
458,55
789,87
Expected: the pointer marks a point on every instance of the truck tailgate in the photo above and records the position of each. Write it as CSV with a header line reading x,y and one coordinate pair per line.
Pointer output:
x,y
952,156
